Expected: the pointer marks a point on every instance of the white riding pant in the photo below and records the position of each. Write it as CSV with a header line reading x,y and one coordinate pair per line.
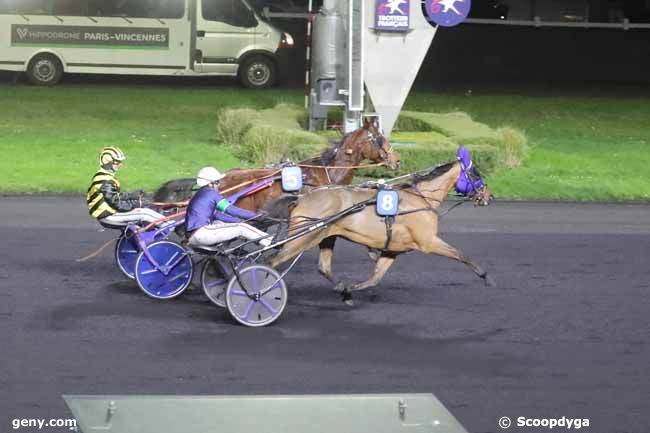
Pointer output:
x,y
219,231
137,215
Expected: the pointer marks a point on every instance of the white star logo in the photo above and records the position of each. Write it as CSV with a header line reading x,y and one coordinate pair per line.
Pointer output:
x,y
450,5
394,6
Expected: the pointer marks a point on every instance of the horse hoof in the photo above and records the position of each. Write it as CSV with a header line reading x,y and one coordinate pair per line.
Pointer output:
x,y
373,254
347,298
489,281
339,287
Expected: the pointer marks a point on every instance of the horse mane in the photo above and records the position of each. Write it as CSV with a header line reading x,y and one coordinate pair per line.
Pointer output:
x,y
436,171
328,155
432,173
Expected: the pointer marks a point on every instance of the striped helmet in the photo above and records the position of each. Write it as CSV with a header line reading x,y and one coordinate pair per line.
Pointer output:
x,y
111,155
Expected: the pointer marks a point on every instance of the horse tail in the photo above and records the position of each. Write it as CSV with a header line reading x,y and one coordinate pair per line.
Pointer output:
x,y
296,246
281,207
174,190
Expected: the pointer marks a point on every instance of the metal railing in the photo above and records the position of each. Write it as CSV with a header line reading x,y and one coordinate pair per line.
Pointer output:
x,y
537,22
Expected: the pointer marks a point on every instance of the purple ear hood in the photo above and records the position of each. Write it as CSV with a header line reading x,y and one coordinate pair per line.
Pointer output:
x,y
463,155
464,184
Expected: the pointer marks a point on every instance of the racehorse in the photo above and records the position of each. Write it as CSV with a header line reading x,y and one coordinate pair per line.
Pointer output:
x,y
413,228
365,144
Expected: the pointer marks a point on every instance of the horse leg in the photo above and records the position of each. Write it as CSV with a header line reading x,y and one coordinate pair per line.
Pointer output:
x,y
325,260
384,262
442,248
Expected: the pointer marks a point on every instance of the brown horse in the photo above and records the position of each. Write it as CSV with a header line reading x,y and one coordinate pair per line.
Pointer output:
x,y
415,227
365,144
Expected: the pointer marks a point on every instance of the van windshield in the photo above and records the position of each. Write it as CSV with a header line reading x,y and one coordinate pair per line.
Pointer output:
x,y
232,12
258,6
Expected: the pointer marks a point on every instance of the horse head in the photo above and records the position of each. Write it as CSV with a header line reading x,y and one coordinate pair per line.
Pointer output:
x,y
370,143
470,183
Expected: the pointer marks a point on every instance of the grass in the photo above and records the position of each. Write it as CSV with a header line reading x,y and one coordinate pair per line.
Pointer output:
x,y
580,148
52,137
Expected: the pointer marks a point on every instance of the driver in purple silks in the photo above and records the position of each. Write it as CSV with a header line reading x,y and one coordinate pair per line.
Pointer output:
x,y
211,219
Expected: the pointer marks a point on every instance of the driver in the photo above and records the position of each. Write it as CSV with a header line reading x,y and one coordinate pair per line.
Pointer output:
x,y
107,203
211,219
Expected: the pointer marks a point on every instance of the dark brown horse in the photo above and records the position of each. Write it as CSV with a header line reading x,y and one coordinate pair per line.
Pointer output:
x,y
415,227
365,144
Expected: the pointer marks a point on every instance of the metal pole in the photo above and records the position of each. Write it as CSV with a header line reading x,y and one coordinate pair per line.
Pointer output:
x,y
308,54
533,10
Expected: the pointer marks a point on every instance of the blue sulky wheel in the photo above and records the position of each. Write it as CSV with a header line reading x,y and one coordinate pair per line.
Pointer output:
x,y
214,280
172,275
265,300
126,253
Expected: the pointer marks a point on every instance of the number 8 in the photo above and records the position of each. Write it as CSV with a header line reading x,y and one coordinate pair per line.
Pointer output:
x,y
387,202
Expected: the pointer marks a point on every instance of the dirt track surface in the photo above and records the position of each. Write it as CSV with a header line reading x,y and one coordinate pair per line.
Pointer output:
x,y
565,333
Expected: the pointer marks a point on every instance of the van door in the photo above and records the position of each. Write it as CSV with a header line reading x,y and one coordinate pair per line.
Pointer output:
x,y
225,29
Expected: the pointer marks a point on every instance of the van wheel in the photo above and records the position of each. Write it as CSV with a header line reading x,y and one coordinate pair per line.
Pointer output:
x,y
45,70
258,72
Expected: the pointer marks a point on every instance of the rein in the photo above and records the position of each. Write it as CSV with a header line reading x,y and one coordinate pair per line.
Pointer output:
x,y
249,182
225,191
423,197
326,167
243,184
161,220
97,252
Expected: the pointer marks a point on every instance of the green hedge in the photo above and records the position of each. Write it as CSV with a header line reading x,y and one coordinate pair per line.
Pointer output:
x,y
420,156
262,137
426,139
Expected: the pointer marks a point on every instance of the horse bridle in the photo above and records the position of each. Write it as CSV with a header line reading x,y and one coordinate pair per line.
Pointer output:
x,y
378,142
476,182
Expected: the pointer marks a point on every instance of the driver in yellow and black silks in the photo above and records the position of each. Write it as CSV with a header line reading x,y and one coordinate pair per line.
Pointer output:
x,y
107,203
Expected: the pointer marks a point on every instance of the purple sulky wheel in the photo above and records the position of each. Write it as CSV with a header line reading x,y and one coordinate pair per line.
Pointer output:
x,y
264,299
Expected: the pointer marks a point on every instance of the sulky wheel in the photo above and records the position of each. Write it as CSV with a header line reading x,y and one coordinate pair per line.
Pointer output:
x,y
263,300
126,253
172,274
214,280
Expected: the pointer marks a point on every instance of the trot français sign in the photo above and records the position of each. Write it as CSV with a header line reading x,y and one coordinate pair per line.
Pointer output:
x,y
448,13
89,37
392,15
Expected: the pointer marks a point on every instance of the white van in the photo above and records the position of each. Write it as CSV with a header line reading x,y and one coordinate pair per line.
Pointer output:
x,y
47,38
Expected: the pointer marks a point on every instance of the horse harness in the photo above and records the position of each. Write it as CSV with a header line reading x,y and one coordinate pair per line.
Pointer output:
x,y
389,220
